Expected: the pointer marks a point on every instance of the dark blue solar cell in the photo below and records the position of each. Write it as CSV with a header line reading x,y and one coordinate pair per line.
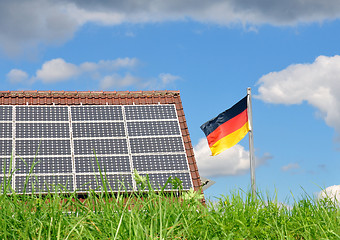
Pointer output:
x,y
107,164
141,112
114,182
160,162
100,146
5,130
6,113
41,113
5,167
95,113
42,147
98,129
156,145
153,128
43,165
158,180
43,130
44,184
5,147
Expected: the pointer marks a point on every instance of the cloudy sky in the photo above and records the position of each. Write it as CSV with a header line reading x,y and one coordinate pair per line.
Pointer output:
x,y
288,52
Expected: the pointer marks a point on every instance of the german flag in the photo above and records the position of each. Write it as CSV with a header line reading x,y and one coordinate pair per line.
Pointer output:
x,y
228,128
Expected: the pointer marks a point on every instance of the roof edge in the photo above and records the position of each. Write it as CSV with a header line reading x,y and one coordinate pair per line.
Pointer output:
x,y
88,93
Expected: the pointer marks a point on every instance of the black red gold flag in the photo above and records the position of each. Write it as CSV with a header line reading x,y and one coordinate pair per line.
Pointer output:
x,y
228,128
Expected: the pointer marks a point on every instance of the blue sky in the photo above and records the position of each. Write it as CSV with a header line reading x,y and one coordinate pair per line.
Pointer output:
x,y
286,51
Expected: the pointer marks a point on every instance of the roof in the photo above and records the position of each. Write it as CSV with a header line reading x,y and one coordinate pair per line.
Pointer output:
x,y
109,98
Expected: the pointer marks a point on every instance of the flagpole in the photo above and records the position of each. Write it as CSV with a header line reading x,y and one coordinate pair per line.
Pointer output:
x,y
251,144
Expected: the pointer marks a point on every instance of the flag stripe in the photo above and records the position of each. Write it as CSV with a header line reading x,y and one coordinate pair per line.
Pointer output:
x,y
228,127
229,140
211,125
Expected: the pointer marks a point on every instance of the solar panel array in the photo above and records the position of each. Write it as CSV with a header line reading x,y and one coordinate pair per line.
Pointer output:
x,y
53,148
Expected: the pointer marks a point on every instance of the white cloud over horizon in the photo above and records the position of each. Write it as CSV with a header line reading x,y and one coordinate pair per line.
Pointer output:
x,y
107,73
317,83
26,25
231,162
332,192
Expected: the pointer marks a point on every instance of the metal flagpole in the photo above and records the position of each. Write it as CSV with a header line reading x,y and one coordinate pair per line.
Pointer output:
x,y
251,143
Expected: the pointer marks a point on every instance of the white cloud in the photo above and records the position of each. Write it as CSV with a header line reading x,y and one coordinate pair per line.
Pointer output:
x,y
118,63
108,74
233,161
167,78
317,83
28,24
290,166
17,76
57,70
109,65
333,192
117,81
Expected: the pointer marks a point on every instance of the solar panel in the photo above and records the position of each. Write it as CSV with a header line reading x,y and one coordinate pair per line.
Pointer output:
x,y
53,146
114,182
44,165
158,180
96,113
175,162
109,164
42,130
156,145
141,112
95,129
41,113
44,184
153,128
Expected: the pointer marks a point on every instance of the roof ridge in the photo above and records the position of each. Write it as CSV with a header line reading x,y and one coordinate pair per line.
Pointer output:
x,y
88,93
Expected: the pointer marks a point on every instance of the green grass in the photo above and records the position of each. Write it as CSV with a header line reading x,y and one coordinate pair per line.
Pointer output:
x,y
157,216
162,215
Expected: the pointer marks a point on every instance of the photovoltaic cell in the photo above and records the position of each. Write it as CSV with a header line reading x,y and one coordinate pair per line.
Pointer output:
x,y
153,128
116,182
41,113
5,147
43,147
107,164
95,113
42,130
95,129
5,130
101,146
160,162
44,165
4,165
141,112
5,113
156,145
5,183
44,184
158,180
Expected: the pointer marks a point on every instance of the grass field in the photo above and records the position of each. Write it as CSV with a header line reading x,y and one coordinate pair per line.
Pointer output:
x,y
163,216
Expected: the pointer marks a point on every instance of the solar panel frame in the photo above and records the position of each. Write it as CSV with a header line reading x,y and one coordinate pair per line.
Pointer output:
x,y
174,133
